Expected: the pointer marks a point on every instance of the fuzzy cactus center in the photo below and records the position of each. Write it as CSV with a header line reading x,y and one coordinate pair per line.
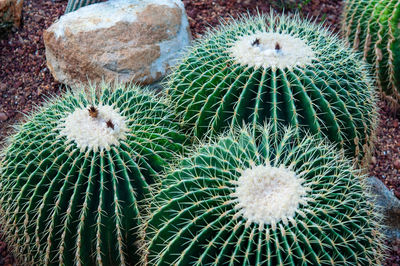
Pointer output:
x,y
94,127
270,49
266,195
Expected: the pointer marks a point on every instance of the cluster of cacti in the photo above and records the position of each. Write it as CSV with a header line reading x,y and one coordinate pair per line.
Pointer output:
x,y
373,28
264,201
74,5
276,68
74,177
73,174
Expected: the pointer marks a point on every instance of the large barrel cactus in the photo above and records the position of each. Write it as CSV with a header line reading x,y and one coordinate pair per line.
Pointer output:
x,y
373,28
279,202
72,175
276,68
74,5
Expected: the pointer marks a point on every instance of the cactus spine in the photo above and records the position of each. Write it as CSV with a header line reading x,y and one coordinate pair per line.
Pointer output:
x,y
74,5
72,175
266,201
373,28
276,68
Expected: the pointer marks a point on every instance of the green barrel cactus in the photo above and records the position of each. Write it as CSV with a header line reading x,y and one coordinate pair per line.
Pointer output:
x,y
373,28
74,5
280,69
279,202
72,175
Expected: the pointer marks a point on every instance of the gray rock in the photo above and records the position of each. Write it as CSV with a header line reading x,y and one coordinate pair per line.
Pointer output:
x,y
390,205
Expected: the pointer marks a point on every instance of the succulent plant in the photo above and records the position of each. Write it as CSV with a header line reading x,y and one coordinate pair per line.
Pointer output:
x,y
269,200
74,5
276,68
373,28
72,175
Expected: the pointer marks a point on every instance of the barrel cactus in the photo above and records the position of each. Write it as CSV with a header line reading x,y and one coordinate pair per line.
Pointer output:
x,y
72,175
373,28
74,5
276,68
269,200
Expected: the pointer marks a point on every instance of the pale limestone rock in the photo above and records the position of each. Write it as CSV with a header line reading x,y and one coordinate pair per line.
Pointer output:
x,y
10,12
127,40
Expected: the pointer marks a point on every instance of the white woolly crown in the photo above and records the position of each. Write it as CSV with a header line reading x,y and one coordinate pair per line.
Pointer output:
x,y
107,128
267,194
270,49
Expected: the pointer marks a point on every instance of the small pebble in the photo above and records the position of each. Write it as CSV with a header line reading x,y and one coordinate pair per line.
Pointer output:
x,y
3,117
397,164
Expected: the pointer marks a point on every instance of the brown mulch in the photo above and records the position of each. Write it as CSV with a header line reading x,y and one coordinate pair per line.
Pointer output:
x,y
25,80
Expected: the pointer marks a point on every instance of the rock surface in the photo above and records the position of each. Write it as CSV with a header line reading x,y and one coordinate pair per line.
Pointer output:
x,y
3,117
390,206
127,40
10,12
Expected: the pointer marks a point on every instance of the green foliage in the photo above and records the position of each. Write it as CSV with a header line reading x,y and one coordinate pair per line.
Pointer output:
x,y
74,5
193,218
373,28
63,204
332,95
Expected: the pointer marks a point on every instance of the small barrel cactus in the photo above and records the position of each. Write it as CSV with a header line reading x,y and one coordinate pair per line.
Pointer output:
x,y
373,28
265,201
74,5
280,69
72,175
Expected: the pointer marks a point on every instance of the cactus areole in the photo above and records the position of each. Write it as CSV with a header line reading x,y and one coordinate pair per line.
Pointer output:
x,y
94,128
276,68
72,176
267,195
268,49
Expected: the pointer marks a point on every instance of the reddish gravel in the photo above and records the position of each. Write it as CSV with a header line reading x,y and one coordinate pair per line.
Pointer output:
x,y
25,79
393,253
385,163
5,257
204,13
